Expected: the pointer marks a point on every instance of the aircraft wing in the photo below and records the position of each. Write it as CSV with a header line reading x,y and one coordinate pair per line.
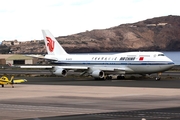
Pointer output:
x,y
3,80
62,70
80,68
36,66
19,81
63,67
74,67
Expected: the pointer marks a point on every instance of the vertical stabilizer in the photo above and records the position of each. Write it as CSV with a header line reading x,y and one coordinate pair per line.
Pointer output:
x,y
52,45
12,77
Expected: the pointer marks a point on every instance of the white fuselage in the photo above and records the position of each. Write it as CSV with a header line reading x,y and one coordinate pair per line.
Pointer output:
x,y
130,62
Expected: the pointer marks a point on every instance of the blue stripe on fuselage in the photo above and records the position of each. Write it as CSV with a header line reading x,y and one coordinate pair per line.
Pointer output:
x,y
115,62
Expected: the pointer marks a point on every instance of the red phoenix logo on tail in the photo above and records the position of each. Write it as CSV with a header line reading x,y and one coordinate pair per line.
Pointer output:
x,y
50,44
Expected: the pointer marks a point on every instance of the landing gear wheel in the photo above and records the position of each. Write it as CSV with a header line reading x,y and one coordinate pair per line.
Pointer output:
x,y
99,78
120,77
2,85
109,77
158,78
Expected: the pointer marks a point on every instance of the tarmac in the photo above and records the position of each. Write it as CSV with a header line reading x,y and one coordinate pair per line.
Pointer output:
x,y
76,98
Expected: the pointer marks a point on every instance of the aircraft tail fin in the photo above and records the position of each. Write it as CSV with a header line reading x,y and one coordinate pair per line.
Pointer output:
x,y
52,45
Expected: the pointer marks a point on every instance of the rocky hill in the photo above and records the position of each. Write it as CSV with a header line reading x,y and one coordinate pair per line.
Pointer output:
x,y
159,34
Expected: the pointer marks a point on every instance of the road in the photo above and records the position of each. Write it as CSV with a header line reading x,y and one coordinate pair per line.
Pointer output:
x,y
58,98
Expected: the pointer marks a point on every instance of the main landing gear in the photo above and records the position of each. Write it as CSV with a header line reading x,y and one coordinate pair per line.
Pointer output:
x,y
119,77
158,78
109,77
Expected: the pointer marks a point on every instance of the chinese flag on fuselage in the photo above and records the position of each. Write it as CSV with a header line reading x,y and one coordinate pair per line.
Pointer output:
x,y
141,58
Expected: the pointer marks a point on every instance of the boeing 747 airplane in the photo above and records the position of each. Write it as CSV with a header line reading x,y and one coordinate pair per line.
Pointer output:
x,y
102,66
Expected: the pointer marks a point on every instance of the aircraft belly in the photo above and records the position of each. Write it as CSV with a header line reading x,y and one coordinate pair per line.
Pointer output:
x,y
127,69
149,68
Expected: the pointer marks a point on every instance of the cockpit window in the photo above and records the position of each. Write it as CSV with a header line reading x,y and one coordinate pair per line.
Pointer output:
x,y
160,54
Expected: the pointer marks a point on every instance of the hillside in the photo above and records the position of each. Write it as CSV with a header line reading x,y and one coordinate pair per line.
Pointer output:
x,y
159,34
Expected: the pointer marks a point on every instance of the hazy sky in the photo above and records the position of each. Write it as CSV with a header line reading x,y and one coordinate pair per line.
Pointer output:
x,y
24,19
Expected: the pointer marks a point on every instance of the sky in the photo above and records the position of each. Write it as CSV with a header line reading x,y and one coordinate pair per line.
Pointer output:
x,y
23,20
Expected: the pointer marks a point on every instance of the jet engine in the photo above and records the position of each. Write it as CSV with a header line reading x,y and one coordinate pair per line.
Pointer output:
x,y
60,72
98,74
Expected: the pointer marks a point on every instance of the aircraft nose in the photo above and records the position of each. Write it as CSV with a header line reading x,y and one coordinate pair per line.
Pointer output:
x,y
171,64
170,61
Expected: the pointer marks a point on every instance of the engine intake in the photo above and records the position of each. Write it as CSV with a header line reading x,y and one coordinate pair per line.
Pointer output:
x,y
98,74
60,72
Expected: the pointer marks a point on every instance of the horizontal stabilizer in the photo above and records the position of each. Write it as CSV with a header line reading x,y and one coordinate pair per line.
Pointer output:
x,y
48,57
